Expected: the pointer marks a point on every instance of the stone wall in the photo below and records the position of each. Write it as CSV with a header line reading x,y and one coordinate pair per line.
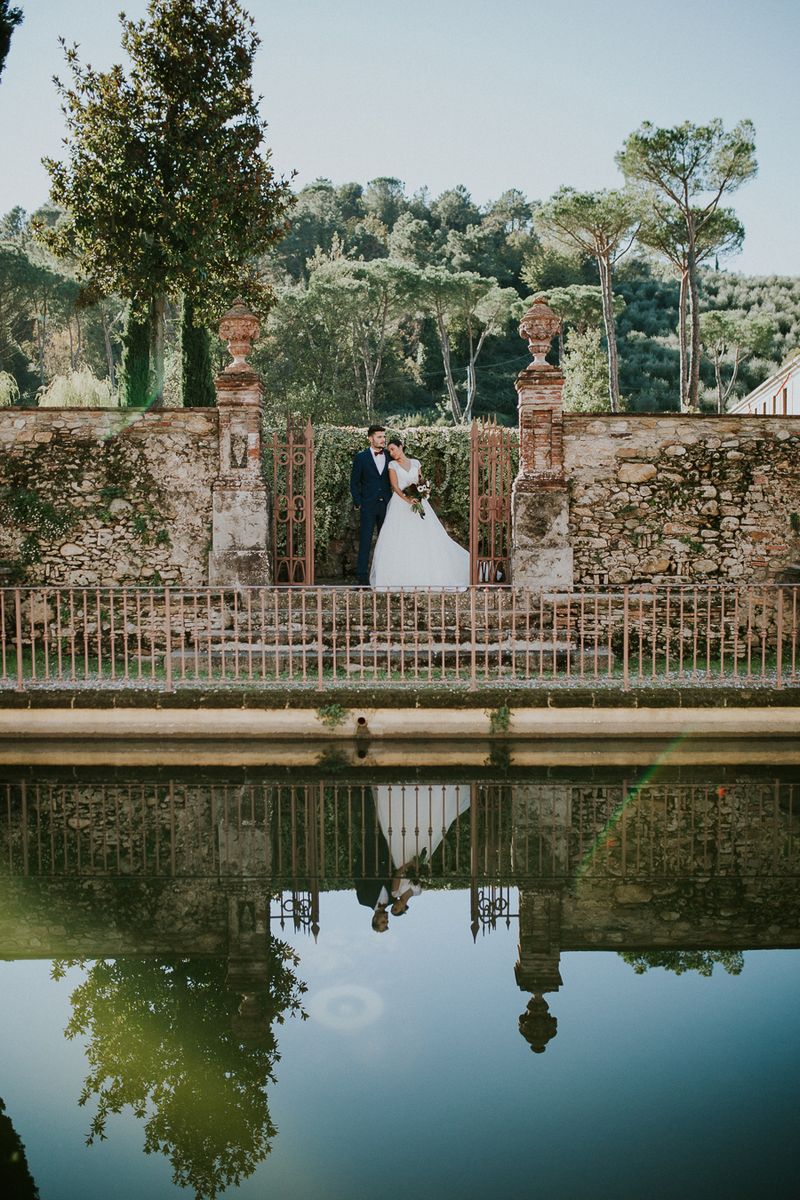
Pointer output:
x,y
90,496
680,497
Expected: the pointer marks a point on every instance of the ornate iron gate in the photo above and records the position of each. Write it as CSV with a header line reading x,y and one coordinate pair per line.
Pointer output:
x,y
293,504
490,477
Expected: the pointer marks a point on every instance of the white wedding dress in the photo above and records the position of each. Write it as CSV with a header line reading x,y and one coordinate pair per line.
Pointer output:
x,y
414,551
415,818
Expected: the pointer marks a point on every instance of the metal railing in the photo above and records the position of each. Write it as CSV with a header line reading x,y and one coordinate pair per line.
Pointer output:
x,y
623,637
327,834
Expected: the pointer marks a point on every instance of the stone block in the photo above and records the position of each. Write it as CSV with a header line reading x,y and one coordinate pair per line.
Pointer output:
x,y
632,472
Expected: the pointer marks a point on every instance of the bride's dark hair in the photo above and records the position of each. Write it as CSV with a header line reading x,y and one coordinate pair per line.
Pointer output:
x,y
395,441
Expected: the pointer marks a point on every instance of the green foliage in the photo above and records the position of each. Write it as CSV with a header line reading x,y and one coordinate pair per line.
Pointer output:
x,y
161,1040
332,715
730,338
585,373
500,719
9,389
79,389
167,187
197,377
680,961
14,1170
134,374
10,18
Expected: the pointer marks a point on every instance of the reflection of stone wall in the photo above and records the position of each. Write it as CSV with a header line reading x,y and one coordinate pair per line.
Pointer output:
x,y
107,496
682,497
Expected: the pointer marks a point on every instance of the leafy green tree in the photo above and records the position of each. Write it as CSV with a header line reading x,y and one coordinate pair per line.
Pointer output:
x,y
10,18
604,225
688,169
134,372
161,1040
373,300
729,339
384,199
167,185
585,367
681,961
455,209
16,1181
197,376
415,242
666,233
464,304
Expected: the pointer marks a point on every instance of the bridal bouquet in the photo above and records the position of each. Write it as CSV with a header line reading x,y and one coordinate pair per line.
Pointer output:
x,y
419,492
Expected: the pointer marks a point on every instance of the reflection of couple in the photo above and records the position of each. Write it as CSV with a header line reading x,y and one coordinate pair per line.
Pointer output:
x,y
413,548
403,827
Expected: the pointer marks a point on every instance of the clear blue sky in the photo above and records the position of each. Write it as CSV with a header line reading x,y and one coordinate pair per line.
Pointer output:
x,y
490,93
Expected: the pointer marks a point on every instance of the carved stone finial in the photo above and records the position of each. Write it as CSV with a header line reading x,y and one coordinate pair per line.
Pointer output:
x,y
239,327
539,326
537,1024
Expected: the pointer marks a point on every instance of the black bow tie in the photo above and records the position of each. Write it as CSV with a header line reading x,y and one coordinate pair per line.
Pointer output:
x,y
377,452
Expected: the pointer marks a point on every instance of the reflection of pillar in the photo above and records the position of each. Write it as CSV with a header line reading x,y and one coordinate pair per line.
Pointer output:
x,y
541,553
248,964
239,554
537,968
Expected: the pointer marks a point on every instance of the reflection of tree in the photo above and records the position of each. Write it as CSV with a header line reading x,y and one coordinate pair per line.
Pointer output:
x,y
161,1040
15,1179
680,961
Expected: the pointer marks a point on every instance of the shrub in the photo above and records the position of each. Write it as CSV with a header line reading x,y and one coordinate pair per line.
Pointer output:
x,y
79,389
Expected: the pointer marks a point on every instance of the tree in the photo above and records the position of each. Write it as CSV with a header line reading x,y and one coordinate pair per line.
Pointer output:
x,y
464,304
16,1180
585,367
10,18
161,1040
680,961
602,224
689,168
385,199
167,185
455,209
134,372
666,233
197,377
373,300
732,338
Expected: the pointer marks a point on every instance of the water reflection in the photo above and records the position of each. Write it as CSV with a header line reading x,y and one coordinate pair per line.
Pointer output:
x,y
176,893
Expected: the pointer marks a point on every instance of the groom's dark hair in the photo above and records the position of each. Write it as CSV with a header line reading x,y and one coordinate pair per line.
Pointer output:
x,y
375,429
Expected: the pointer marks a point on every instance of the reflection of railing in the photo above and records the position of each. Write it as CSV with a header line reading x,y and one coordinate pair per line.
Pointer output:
x,y
108,637
307,838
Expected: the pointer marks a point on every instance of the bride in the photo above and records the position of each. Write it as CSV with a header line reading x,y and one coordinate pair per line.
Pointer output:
x,y
412,550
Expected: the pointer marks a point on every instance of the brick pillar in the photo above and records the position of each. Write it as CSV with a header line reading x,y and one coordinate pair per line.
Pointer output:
x,y
240,530
541,555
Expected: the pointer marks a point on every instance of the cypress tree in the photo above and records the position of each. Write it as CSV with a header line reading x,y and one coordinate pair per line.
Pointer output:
x,y
134,372
197,377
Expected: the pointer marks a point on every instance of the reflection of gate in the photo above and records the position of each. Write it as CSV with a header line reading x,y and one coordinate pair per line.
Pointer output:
x,y
293,504
490,477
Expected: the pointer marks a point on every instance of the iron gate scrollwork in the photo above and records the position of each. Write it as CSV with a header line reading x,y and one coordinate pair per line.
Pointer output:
x,y
490,478
293,504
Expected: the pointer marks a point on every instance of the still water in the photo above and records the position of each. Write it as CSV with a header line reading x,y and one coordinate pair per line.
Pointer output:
x,y
572,983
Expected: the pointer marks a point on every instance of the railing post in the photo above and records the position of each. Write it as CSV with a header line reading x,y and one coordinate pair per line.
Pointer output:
x,y
168,639
625,636
473,653
18,621
779,622
319,640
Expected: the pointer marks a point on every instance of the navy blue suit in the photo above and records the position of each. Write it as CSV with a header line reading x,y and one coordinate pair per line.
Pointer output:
x,y
371,492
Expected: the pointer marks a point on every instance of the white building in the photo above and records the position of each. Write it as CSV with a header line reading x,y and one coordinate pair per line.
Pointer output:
x,y
778,396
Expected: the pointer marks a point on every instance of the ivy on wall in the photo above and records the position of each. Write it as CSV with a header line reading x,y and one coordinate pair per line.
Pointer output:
x,y
47,492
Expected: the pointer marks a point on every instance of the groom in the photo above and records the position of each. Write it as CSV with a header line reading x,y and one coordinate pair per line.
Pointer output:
x,y
371,492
